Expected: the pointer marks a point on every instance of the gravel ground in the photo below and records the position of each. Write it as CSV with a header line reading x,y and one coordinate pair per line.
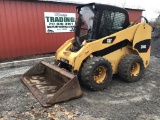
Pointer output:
x,y
120,101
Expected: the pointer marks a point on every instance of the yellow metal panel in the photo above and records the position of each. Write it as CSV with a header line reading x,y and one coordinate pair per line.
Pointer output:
x,y
143,33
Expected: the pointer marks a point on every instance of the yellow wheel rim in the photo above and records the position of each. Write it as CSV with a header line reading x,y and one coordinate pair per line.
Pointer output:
x,y
100,74
135,69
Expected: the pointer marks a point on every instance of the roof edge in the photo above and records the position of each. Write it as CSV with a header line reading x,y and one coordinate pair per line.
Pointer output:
x,y
134,9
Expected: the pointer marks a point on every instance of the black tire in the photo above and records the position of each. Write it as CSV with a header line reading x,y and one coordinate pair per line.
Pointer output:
x,y
91,67
125,70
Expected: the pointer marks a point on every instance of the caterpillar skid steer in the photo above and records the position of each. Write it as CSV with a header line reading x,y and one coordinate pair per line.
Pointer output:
x,y
105,43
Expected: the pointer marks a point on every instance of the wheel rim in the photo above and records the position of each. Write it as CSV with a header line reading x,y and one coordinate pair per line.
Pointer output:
x,y
100,74
135,69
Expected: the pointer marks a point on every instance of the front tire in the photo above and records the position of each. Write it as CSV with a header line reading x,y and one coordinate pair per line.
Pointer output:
x,y
96,73
131,68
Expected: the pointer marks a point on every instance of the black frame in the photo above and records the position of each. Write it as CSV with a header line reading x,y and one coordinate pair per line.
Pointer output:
x,y
99,8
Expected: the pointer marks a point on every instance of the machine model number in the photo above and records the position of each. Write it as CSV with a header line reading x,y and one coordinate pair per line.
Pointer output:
x,y
143,46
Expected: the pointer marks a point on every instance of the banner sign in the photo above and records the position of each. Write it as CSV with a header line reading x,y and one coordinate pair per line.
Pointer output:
x,y
59,22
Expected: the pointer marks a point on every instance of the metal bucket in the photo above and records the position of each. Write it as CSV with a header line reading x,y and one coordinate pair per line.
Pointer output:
x,y
51,84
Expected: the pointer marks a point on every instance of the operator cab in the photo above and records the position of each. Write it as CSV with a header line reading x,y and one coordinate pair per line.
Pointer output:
x,y
96,21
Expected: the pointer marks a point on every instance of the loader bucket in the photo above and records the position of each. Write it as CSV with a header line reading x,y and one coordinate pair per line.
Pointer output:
x,y
51,84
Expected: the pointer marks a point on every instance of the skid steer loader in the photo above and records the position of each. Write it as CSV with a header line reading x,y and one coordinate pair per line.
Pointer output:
x,y
105,43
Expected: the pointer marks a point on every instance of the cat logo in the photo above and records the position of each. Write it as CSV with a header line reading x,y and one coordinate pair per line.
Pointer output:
x,y
109,40
143,47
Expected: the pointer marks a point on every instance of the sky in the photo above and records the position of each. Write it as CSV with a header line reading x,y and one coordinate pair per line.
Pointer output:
x,y
151,7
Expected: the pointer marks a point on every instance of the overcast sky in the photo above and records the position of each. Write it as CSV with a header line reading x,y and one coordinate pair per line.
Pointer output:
x,y
150,6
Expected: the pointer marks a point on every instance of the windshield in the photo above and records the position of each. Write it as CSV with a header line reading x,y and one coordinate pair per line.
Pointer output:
x,y
85,24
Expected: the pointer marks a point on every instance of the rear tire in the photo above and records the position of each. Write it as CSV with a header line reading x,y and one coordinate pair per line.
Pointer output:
x,y
131,68
96,73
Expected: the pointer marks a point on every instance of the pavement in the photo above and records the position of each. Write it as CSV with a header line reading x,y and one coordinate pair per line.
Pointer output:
x,y
28,62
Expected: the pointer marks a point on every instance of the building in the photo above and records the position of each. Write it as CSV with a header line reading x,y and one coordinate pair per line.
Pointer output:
x,y
23,30
134,14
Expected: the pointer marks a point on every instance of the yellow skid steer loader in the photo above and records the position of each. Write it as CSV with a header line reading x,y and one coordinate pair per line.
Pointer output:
x,y
105,43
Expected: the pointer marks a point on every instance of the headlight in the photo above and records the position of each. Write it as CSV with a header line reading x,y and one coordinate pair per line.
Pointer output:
x,y
64,60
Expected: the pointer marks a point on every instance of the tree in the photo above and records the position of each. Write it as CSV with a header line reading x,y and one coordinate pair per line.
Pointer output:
x,y
156,23
156,27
